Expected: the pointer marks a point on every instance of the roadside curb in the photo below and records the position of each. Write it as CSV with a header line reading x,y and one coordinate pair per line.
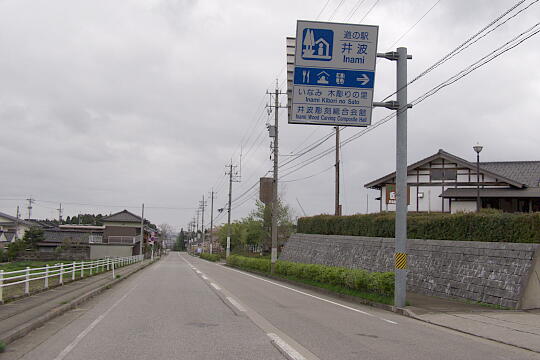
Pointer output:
x,y
412,315
23,329
401,311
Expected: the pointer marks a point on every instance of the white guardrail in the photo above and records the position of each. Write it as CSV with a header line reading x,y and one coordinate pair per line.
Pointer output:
x,y
74,270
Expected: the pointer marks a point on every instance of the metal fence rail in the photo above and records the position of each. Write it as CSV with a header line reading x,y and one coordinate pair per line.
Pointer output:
x,y
61,271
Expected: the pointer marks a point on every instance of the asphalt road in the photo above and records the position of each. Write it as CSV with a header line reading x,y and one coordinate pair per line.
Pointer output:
x,y
336,329
164,312
186,308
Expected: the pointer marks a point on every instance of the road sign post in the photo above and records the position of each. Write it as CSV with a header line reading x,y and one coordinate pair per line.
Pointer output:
x,y
401,182
334,73
401,191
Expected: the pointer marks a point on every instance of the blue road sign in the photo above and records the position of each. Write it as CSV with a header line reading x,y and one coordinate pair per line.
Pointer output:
x,y
334,74
333,77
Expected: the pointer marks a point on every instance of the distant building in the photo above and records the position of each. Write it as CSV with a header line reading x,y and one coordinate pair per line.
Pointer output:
x,y
124,227
12,227
446,183
120,235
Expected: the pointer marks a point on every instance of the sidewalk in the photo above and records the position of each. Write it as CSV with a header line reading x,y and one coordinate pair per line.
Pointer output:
x,y
19,317
512,327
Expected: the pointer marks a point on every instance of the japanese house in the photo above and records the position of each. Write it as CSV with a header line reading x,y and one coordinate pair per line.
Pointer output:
x,y
446,183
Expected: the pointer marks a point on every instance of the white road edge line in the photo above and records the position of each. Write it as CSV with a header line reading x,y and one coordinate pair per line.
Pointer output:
x,y
215,286
86,331
205,277
313,296
198,272
283,346
236,304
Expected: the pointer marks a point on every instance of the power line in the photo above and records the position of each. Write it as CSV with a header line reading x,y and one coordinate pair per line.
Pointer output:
x,y
447,57
354,9
310,176
413,26
336,9
323,8
517,40
369,11
459,48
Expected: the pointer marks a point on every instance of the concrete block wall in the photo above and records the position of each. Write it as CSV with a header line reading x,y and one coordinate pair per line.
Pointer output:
x,y
494,273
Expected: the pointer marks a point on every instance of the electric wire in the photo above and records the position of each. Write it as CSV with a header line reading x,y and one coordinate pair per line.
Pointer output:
x,y
514,42
414,25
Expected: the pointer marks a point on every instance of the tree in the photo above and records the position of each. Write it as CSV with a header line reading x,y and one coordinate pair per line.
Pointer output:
x,y
15,248
238,235
32,236
263,214
180,241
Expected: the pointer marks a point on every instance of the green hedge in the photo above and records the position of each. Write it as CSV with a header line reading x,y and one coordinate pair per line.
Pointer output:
x,y
484,226
354,279
209,257
250,263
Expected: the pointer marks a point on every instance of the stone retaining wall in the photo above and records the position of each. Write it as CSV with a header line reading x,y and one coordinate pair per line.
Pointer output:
x,y
494,273
74,254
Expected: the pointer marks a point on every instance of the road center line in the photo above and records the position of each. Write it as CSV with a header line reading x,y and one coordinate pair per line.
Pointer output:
x,y
205,277
94,323
215,286
236,304
313,296
283,346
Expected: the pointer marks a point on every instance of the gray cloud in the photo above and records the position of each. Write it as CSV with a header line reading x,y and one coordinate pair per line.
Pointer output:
x,y
124,102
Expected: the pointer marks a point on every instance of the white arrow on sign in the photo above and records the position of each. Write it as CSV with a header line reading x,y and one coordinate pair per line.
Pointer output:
x,y
364,79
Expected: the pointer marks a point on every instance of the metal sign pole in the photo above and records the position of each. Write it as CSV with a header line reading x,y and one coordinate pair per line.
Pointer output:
x,y
401,182
401,106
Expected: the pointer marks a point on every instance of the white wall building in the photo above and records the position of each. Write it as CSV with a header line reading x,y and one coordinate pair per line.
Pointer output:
x,y
446,183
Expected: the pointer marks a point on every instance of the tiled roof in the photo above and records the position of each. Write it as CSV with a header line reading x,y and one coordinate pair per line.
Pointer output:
x,y
441,154
14,219
525,172
492,192
123,216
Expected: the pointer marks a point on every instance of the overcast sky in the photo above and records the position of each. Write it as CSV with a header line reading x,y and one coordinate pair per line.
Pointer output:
x,y
106,104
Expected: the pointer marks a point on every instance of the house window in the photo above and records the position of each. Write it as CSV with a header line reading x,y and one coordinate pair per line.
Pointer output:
x,y
443,174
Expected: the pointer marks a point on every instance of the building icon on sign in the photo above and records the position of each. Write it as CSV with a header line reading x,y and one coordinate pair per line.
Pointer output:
x,y
322,77
317,44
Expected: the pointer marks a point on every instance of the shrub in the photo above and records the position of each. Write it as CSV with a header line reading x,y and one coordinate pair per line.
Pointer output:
x,y
210,257
262,265
488,225
354,279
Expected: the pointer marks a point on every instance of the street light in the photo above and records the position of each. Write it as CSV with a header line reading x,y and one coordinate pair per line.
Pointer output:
x,y
478,148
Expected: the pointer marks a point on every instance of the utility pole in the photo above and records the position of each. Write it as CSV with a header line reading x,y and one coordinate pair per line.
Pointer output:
x,y
401,106
202,205
275,199
338,206
142,231
228,251
198,216
17,224
232,178
211,220
30,202
60,213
